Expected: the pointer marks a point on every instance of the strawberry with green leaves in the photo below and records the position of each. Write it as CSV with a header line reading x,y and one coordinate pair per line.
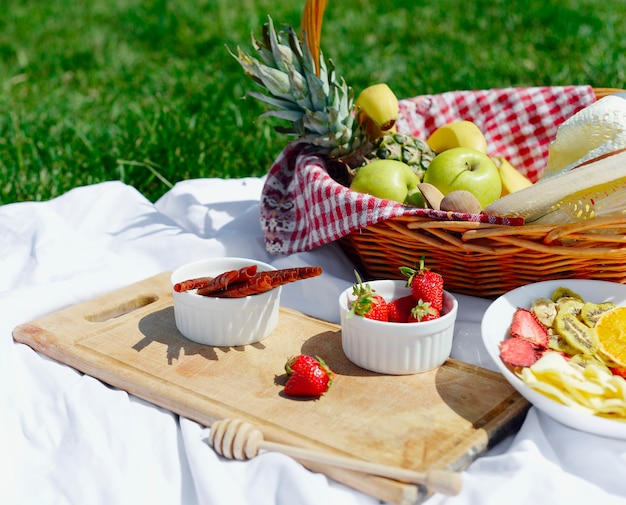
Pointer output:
x,y
425,284
423,311
367,303
301,363
308,376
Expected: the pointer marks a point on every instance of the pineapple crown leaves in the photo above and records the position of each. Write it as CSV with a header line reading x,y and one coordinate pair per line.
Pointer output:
x,y
272,69
319,108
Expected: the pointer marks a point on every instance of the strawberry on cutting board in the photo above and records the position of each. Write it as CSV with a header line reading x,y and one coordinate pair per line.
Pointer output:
x,y
301,363
425,284
308,376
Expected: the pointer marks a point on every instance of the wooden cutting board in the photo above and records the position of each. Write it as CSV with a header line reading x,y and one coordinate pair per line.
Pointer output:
x,y
441,419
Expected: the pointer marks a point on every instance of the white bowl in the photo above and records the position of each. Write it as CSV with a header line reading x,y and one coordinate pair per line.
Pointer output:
x,y
224,322
495,328
396,348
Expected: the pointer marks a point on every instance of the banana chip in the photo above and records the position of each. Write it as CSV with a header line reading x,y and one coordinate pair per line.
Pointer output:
x,y
591,388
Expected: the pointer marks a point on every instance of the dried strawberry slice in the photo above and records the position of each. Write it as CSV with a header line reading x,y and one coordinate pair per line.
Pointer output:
x,y
526,325
621,371
518,351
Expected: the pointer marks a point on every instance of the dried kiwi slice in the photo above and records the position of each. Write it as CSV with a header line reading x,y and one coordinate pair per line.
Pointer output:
x,y
565,293
570,305
585,359
576,333
557,343
591,312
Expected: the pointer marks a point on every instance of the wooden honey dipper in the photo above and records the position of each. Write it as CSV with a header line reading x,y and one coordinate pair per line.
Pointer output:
x,y
236,439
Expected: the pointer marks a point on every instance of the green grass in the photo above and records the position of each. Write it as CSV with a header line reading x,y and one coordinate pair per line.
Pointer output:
x,y
145,91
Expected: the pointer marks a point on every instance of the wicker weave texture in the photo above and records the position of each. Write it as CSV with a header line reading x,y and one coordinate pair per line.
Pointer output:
x,y
488,260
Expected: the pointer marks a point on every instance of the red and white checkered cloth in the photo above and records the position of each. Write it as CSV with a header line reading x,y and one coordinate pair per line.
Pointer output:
x,y
302,207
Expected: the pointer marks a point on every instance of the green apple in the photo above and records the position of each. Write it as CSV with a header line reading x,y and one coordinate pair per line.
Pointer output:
x,y
388,179
468,169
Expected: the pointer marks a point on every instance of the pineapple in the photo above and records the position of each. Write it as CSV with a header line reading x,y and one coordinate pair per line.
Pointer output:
x,y
404,147
319,107
304,90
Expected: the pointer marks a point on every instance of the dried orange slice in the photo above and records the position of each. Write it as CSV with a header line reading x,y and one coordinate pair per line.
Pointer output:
x,y
611,330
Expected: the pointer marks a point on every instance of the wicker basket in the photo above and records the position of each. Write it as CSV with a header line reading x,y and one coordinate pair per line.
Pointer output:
x,y
487,260
483,259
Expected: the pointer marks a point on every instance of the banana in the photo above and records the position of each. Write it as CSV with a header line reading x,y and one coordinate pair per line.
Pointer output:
x,y
380,104
457,134
512,180
545,310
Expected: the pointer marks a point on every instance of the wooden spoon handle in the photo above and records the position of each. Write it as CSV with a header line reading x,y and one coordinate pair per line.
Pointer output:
x,y
236,439
442,481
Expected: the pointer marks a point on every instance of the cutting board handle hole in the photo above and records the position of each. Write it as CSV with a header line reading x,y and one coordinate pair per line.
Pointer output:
x,y
121,308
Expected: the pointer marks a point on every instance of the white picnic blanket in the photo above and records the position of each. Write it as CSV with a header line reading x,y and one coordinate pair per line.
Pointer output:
x,y
67,438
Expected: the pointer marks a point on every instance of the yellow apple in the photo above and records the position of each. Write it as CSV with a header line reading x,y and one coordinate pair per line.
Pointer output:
x,y
457,134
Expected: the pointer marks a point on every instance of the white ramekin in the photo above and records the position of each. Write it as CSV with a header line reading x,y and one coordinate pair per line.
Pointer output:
x,y
224,322
396,348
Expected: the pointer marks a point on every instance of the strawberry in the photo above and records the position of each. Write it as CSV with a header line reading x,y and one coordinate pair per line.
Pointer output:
x,y
367,303
308,376
423,311
300,363
526,325
400,309
304,362
518,351
301,384
621,371
425,284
